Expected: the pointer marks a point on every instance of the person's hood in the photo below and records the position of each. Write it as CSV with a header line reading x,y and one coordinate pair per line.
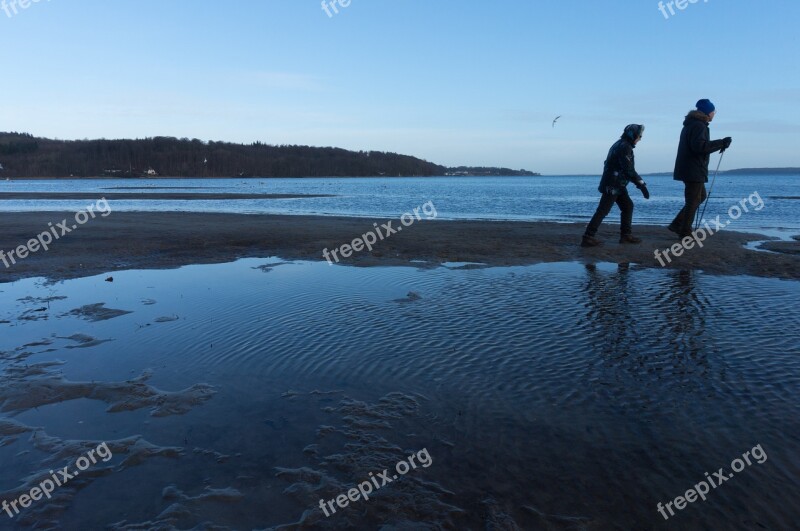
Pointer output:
x,y
696,115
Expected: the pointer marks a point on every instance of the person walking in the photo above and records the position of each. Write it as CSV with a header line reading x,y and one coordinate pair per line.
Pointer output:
x,y
691,164
618,171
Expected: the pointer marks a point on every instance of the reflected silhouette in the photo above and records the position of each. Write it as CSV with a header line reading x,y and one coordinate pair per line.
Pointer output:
x,y
685,311
609,310
653,327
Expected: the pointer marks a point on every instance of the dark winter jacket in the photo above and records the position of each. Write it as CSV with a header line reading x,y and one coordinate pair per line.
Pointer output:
x,y
619,169
695,149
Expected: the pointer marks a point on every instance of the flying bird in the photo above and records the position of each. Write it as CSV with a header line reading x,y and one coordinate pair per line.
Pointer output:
x,y
554,121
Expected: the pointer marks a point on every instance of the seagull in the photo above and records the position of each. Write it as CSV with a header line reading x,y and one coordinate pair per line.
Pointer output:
x,y
554,121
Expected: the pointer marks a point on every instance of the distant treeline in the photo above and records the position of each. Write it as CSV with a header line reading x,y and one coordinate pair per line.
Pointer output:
x,y
486,172
763,171
23,155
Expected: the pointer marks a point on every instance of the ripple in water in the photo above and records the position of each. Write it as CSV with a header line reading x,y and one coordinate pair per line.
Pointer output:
x,y
559,396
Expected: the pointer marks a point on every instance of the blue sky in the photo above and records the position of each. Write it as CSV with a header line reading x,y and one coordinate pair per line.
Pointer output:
x,y
470,82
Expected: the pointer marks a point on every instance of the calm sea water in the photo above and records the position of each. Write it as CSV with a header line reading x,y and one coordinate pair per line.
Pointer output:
x,y
557,396
568,198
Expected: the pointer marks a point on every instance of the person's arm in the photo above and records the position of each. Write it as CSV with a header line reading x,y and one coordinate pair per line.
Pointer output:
x,y
628,166
700,143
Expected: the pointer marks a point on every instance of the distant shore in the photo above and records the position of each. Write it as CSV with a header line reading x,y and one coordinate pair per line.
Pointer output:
x,y
149,240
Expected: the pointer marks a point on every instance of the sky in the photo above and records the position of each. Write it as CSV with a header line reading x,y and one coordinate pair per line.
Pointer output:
x,y
470,82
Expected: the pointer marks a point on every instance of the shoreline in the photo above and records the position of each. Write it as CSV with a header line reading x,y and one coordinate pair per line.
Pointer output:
x,y
164,240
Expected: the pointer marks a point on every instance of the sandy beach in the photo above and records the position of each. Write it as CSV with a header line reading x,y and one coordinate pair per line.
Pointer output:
x,y
130,240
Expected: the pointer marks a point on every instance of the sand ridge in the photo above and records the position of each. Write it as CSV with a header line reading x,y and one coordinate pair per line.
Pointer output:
x,y
159,240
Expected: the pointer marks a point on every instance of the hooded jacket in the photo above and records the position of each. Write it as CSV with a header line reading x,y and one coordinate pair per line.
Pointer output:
x,y
695,149
619,168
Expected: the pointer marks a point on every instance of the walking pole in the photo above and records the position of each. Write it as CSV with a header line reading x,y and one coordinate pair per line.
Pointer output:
x,y
709,191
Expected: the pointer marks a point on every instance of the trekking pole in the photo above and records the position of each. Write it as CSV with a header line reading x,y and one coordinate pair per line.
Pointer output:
x,y
703,213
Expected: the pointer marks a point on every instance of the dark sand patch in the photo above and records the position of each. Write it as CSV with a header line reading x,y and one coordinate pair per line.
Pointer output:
x,y
266,268
36,308
166,319
139,240
784,247
411,297
84,341
34,314
31,386
23,352
95,312
42,343
41,300
10,429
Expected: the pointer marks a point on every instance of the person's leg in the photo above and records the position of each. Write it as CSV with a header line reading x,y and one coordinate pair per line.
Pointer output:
x,y
694,195
626,225
606,202
677,223
625,205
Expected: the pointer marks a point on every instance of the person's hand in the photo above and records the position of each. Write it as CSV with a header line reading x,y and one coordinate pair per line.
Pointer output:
x,y
726,143
645,191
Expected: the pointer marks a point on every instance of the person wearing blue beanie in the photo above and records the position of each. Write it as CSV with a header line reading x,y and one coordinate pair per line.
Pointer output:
x,y
691,164
706,107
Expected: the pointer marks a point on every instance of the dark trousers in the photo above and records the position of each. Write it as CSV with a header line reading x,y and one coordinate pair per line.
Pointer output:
x,y
694,195
625,205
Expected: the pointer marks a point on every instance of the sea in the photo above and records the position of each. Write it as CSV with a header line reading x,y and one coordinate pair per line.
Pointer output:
x,y
543,198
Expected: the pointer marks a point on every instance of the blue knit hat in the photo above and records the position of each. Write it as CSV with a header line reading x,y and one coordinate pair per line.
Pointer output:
x,y
705,106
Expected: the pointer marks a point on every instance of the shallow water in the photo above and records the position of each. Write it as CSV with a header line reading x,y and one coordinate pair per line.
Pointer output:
x,y
547,198
558,396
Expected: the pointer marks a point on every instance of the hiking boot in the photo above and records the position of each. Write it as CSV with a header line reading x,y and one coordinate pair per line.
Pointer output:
x,y
629,238
590,241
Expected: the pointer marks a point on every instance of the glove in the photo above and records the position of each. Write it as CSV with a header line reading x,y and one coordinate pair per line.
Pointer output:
x,y
726,143
643,188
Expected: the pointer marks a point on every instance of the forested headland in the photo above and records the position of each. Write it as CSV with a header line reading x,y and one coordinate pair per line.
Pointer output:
x,y
23,155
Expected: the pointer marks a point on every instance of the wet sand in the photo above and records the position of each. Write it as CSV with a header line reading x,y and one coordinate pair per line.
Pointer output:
x,y
140,240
